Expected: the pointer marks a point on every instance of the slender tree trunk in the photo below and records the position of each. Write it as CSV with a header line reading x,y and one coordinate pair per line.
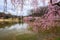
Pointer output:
x,y
5,5
5,8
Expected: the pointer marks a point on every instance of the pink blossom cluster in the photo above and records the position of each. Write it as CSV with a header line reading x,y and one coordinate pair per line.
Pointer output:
x,y
49,20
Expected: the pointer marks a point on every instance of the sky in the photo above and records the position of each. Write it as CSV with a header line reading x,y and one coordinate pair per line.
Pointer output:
x,y
26,7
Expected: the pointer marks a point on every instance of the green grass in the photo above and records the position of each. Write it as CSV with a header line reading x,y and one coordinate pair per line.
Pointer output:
x,y
58,38
27,37
30,28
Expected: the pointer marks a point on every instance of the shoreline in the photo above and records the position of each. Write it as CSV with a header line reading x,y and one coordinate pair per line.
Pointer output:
x,y
10,20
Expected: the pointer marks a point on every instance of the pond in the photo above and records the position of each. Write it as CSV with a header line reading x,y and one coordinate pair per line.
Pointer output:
x,y
8,32
20,31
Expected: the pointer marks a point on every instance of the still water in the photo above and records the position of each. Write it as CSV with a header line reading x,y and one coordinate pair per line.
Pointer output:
x,y
10,32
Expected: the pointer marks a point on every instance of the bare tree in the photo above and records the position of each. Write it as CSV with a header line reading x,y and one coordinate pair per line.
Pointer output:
x,y
5,5
17,3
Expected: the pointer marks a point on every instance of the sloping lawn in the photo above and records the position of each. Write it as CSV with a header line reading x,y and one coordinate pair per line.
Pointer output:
x,y
26,37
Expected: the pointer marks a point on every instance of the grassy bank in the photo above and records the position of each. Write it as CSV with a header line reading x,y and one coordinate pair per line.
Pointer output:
x,y
26,37
10,20
51,34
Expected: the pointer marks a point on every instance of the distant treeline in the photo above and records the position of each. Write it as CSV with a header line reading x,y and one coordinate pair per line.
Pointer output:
x,y
39,11
6,16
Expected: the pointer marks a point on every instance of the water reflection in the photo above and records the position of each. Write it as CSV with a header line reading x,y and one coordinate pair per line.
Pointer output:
x,y
4,24
14,29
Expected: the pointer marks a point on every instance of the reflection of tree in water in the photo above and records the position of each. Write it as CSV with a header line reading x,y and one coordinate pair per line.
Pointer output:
x,y
4,24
